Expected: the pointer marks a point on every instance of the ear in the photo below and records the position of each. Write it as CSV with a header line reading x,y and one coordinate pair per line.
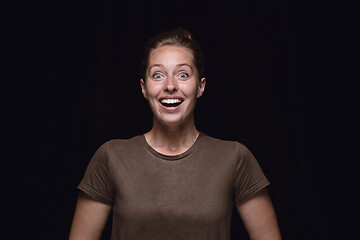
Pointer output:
x,y
201,87
143,88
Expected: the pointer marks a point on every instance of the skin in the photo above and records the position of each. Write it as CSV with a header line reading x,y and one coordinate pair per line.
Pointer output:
x,y
171,74
89,219
259,218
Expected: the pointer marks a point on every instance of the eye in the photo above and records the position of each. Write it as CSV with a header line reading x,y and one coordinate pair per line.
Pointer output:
x,y
156,76
183,75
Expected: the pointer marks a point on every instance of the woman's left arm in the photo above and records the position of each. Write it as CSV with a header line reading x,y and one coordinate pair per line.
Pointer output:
x,y
258,216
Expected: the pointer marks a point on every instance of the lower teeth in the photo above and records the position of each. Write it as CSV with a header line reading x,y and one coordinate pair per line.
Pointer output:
x,y
171,104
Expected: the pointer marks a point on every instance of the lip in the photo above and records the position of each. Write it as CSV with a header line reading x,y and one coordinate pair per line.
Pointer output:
x,y
171,109
171,97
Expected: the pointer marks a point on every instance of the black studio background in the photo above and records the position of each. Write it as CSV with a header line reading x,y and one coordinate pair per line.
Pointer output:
x,y
280,79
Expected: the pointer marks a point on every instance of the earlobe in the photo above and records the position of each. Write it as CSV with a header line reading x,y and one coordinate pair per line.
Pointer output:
x,y
143,88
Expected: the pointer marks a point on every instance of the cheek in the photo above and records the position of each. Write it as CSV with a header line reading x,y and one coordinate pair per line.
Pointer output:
x,y
191,90
152,90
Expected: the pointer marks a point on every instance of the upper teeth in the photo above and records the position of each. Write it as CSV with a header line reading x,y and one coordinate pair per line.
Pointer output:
x,y
171,101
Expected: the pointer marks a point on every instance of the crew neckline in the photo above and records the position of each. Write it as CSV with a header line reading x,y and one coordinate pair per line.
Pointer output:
x,y
172,157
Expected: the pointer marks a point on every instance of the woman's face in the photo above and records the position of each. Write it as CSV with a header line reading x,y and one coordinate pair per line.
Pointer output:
x,y
172,85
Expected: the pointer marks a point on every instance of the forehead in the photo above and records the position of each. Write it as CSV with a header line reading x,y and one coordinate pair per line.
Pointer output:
x,y
170,55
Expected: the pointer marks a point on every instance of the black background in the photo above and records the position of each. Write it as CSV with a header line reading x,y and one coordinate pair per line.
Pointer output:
x,y
280,79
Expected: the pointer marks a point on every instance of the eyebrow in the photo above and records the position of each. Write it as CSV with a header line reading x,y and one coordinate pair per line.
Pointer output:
x,y
156,65
178,65
183,64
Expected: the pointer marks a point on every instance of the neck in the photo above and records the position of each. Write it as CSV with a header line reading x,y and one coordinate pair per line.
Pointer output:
x,y
172,140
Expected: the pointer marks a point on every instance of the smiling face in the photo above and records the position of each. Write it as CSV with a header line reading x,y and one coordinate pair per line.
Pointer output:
x,y
172,86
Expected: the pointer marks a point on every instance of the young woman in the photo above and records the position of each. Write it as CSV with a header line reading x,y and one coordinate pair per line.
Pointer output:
x,y
173,182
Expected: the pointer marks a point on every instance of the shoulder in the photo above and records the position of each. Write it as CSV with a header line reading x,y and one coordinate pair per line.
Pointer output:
x,y
115,149
122,147
223,144
118,144
123,143
229,148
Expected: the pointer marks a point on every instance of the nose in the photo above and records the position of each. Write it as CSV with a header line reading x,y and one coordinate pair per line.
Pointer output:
x,y
170,84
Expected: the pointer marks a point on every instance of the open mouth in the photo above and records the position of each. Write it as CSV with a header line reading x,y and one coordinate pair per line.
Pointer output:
x,y
171,102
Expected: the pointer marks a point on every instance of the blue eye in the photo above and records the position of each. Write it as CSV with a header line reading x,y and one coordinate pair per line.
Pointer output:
x,y
183,75
156,76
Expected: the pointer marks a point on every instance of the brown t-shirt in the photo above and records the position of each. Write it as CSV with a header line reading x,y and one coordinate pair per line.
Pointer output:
x,y
188,196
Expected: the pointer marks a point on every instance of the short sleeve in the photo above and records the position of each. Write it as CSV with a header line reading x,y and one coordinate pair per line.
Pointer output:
x,y
249,176
97,182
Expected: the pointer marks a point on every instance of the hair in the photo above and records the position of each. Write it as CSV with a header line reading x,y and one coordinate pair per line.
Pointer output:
x,y
180,38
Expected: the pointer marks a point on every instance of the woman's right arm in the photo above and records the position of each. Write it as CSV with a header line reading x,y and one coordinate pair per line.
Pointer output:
x,y
89,219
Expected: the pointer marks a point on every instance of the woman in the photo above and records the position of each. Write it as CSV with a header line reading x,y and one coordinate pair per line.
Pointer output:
x,y
173,182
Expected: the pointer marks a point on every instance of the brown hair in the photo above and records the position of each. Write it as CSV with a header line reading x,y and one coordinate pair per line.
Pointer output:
x,y
180,38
